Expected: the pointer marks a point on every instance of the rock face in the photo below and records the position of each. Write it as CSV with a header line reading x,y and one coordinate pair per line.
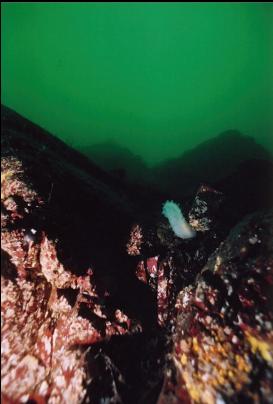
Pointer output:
x,y
223,338
53,308
102,303
67,283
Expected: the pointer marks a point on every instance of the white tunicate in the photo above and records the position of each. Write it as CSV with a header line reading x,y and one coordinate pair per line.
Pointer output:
x,y
177,221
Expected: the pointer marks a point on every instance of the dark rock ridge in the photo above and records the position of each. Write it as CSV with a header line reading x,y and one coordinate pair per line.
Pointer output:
x,y
118,160
209,162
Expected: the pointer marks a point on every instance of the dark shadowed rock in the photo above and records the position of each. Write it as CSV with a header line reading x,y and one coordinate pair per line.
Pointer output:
x,y
208,163
118,160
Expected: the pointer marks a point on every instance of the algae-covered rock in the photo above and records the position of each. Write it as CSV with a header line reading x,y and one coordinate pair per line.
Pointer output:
x,y
102,303
223,337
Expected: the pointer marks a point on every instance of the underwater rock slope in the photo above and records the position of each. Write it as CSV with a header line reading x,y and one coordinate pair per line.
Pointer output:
x,y
59,213
102,303
223,338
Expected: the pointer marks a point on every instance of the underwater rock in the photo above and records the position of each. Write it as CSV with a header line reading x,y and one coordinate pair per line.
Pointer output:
x,y
223,335
101,302
55,305
49,315
205,208
209,162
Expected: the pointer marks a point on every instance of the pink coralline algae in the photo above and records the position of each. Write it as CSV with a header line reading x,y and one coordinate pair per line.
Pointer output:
x,y
158,275
44,339
13,185
136,239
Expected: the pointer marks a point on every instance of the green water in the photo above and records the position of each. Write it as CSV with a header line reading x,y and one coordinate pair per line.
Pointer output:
x,y
159,78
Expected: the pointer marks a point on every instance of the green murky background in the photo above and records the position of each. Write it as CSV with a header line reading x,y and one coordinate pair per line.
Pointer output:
x,y
159,78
